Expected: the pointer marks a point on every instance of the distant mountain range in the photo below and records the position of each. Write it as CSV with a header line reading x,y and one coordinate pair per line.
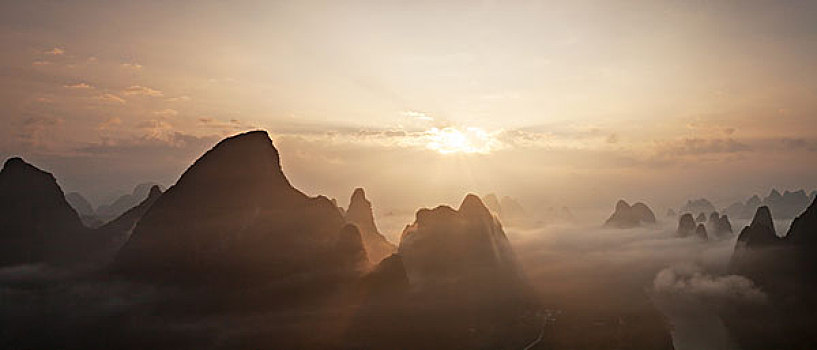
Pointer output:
x,y
626,216
233,239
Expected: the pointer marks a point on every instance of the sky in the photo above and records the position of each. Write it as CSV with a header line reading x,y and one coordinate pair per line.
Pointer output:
x,y
574,103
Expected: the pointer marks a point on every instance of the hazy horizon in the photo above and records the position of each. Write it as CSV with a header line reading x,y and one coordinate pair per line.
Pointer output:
x,y
565,102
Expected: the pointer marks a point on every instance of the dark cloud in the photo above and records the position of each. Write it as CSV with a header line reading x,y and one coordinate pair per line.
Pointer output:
x,y
701,146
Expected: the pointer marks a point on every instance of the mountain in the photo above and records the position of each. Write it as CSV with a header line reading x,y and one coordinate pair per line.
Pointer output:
x,y
86,212
233,217
492,202
120,229
37,225
700,218
360,213
784,206
462,247
700,232
626,216
686,225
509,210
125,202
387,279
718,225
80,204
785,269
701,205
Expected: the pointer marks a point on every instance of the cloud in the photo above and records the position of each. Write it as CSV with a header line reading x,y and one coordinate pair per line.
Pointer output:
x,y
142,90
41,63
791,144
32,131
78,86
111,98
109,123
226,126
156,129
167,113
134,66
178,99
55,52
417,115
689,281
700,146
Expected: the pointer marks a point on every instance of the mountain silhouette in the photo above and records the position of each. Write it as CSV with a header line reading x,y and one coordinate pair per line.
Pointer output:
x,y
718,225
701,205
125,202
626,216
465,246
686,225
233,217
37,225
784,206
387,279
119,230
700,232
79,203
785,268
360,213
86,212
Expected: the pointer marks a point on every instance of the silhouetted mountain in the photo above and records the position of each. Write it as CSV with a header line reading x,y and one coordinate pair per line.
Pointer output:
x,y
723,227
463,247
786,270
512,213
789,205
233,217
84,209
360,213
492,202
700,232
784,206
119,230
701,205
626,216
686,225
79,203
36,222
718,225
387,279
563,214
125,202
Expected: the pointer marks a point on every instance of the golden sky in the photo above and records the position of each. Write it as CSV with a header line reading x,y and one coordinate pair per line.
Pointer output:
x,y
574,102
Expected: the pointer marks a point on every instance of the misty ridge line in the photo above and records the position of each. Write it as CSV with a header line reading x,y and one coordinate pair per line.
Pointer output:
x,y
228,221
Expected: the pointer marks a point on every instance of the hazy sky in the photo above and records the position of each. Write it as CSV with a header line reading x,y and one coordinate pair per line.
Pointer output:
x,y
574,102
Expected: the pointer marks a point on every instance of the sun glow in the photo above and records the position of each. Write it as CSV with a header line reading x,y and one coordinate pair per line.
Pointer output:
x,y
452,140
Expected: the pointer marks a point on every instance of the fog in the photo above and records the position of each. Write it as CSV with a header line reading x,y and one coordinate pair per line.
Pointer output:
x,y
576,270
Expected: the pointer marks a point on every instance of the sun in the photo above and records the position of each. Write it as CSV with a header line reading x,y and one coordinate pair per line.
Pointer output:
x,y
452,140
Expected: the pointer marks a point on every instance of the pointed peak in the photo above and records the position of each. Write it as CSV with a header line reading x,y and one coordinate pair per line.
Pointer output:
x,y
763,217
774,193
14,161
622,204
155,190
472,204
358,194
